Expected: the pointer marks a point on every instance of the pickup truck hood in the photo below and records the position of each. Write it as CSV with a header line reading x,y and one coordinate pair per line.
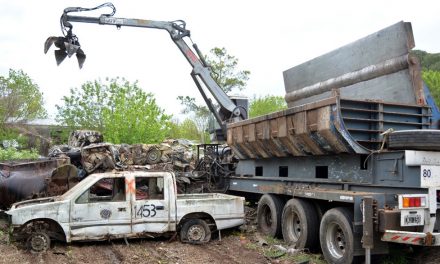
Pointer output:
x,y
50,208
34,201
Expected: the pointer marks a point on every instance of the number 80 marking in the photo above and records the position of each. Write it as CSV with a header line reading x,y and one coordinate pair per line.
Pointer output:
x,y
426,173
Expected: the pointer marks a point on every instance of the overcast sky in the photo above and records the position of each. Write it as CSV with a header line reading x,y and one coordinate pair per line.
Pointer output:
x,y
267,37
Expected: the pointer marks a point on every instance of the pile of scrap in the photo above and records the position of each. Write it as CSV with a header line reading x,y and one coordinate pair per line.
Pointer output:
x,y
88,151
81,138
90,154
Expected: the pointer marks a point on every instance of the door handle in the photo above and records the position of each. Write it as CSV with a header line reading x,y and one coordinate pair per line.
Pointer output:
x,y
122,209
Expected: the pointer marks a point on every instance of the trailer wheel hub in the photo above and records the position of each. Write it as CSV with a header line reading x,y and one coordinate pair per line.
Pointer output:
x,y
335,240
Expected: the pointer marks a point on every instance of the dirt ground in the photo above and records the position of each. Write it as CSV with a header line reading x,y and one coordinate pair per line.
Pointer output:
x,y
235,246
229,250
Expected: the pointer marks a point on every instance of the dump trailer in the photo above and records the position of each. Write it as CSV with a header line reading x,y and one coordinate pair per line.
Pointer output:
x,y
354,163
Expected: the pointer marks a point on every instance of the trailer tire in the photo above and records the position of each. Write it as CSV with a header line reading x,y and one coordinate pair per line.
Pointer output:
x,y
336,235
422,139
195,231
299,221
270,208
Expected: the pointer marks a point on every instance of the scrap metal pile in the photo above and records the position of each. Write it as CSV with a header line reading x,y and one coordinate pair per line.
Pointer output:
x,y
89,153
197,169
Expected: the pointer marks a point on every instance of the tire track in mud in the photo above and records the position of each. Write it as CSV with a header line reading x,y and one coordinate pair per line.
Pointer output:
x,y
228,251
231,252
154,251
220,254
113,255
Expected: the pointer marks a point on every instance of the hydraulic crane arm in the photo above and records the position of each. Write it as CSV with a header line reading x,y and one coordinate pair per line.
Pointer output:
x,y
69,45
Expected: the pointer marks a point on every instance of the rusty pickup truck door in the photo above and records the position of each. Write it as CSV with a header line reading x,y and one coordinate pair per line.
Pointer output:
x,y
103,210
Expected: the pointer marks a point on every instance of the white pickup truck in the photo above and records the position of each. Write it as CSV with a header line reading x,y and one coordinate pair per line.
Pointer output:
x,y
123,205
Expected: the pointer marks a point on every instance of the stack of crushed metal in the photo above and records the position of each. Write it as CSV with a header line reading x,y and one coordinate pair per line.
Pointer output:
x,y
89,153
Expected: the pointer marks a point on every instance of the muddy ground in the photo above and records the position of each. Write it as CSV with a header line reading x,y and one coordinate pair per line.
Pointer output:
x,y
235,246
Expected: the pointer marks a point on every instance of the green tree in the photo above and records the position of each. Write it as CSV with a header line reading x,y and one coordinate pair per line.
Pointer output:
x,y
83,108
20,98
227,75
429,61
225,71
199,113
118,108
186,129
266,104
432,80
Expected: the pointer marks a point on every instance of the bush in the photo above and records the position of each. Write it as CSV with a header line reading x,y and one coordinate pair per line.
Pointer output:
x,y
13,154
10,135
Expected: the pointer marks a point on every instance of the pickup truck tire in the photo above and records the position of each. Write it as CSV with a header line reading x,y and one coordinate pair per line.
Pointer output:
x,y
195,231
270,208
38,242
336,235
299,221
422,139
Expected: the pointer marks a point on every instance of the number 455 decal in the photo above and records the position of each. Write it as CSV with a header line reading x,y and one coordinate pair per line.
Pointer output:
x,y
146,210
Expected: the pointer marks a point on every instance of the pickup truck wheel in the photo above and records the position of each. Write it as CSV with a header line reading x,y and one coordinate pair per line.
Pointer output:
x,y
195,231
336,235
269,212
38,242
299,221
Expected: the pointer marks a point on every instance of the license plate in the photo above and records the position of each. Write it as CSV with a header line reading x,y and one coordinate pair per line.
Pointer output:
x,y
413,220
412,217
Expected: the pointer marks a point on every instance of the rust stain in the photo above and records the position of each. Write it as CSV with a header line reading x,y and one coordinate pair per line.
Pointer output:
x,y
277,188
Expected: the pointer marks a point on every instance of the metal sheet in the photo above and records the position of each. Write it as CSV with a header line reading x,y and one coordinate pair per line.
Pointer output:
x,y
24,179
403,86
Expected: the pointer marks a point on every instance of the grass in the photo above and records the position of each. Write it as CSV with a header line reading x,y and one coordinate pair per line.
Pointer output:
x,y
397,255
270,251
